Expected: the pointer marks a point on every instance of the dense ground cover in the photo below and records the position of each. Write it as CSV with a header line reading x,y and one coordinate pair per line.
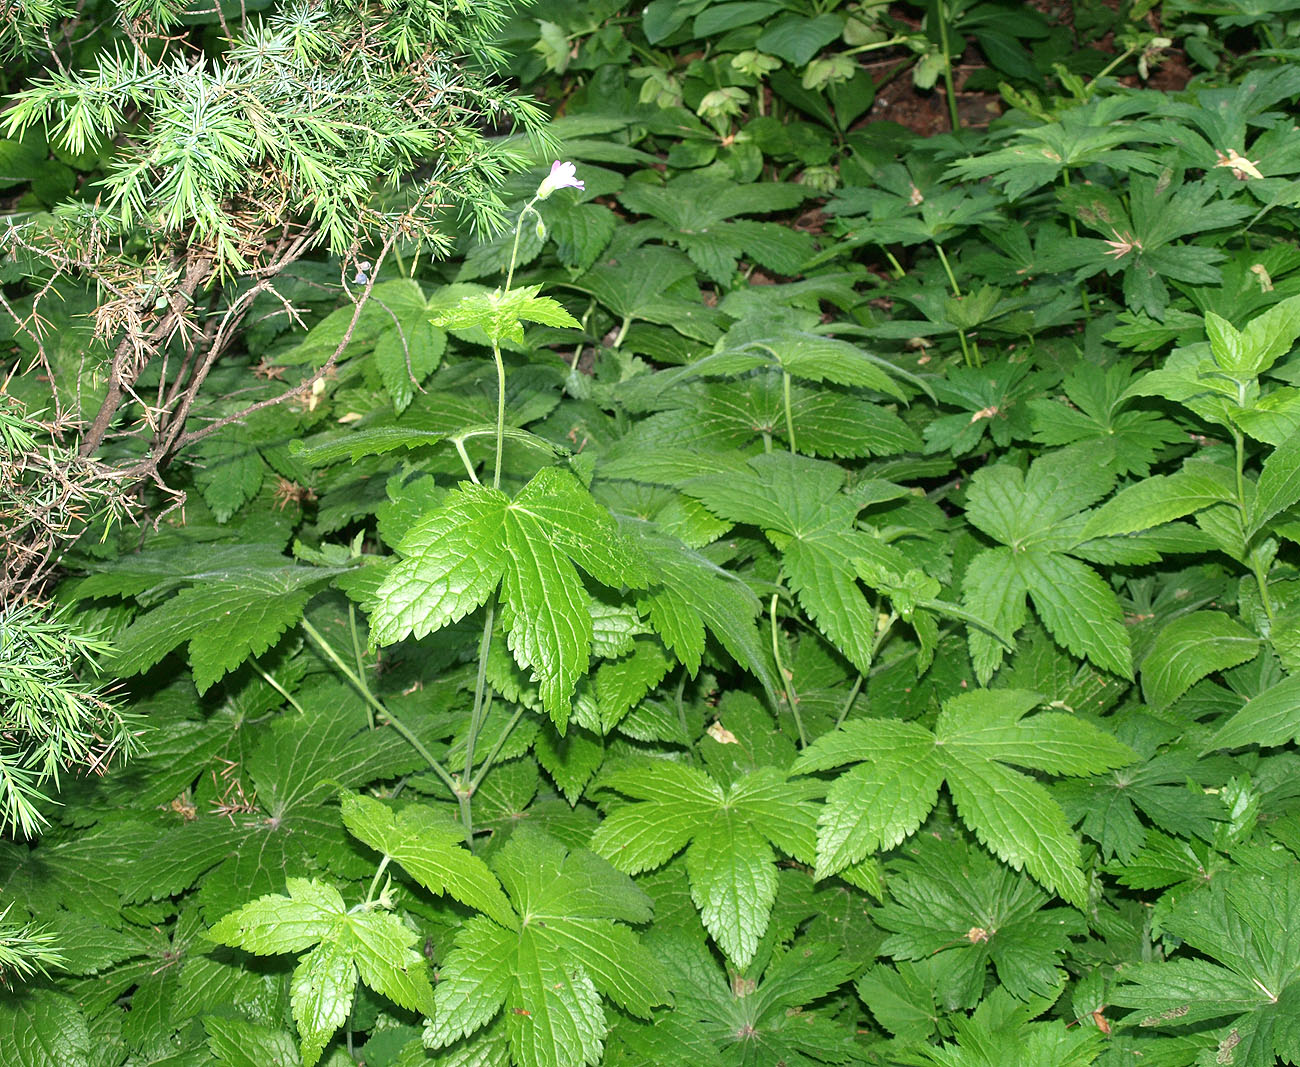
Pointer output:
x,y
775,586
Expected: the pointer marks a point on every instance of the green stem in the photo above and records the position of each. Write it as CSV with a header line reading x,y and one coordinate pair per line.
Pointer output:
x,y
787,682
501,413
972,360
1109,67
965,348
1074,232
942,7
374,882
681,705
853,695
899,272
387,715
947,269
477,716
1261,580
882,635
874,47
496,749
1240,445
622,332
464,458
361,663
789,417
514,250
1256,568
266,677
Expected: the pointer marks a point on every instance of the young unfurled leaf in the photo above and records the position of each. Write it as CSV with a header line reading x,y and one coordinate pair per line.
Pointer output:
x,y
501,314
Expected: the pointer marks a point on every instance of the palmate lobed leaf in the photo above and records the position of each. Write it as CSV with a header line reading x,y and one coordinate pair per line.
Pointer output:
x,y
703,605
727,835
227,618
900,766
805,356
696,595
479,539
797,501
373,944
294,767
953,903
431,849
1035,517
772,1018
1250,923
549,973
501,314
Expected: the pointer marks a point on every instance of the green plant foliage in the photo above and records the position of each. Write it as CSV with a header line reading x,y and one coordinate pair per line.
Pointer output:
x,y
714,577
729,860
547,971
1247,923
976,736
372,943
457,556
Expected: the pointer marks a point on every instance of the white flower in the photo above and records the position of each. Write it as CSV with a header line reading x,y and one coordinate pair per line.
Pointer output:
x,y
562,176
